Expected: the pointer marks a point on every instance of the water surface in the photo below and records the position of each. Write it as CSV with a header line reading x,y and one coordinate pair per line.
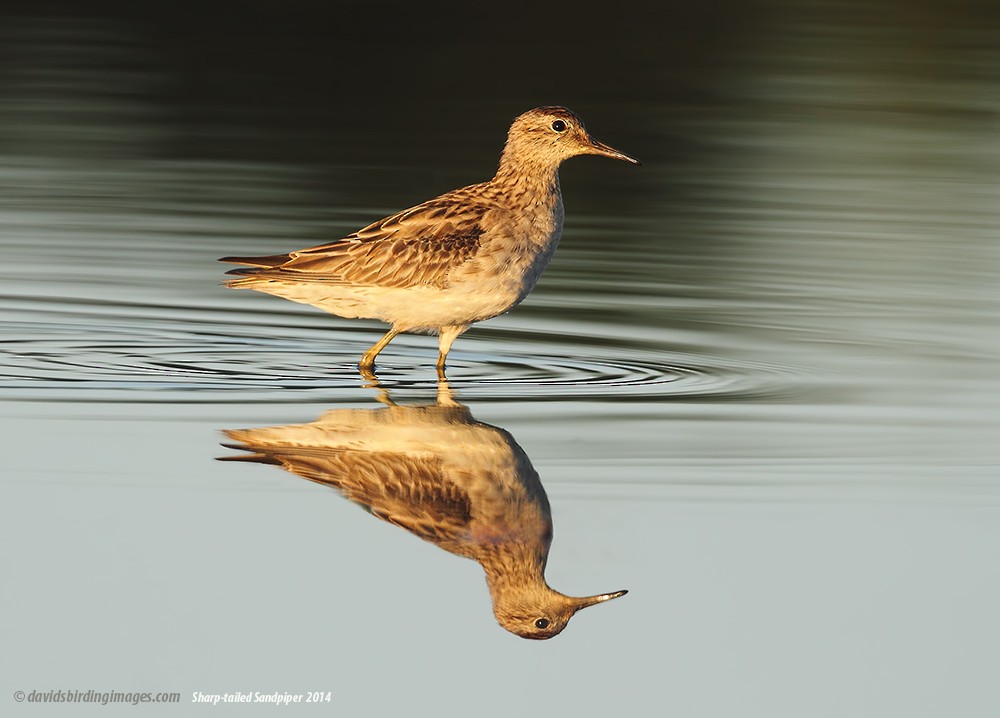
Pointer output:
x,y
759,382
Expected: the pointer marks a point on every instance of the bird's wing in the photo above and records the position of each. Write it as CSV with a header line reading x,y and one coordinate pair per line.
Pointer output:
x,y
418,246
409,490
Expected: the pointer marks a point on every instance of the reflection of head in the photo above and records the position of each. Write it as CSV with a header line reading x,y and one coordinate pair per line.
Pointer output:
x,y
539,612
451,480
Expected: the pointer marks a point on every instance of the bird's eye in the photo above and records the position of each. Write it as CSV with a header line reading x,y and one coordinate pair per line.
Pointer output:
x,y
542,623
558,126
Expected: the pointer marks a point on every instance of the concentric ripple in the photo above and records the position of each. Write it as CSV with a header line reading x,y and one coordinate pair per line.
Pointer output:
x,y
177,360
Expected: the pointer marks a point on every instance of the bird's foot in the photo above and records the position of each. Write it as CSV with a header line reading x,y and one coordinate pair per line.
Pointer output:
x,y
367,370
441,366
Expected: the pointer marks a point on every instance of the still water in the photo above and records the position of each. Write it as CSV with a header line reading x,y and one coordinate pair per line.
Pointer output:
x,y
758,386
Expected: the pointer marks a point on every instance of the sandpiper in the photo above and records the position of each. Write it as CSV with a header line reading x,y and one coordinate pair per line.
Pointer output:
x,y
471,254
456,482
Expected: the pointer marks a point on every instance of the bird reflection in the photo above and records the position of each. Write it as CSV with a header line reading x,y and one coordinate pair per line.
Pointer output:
x,y
440,474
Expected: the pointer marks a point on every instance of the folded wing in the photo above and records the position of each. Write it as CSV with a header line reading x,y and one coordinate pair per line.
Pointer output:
x,y
418,246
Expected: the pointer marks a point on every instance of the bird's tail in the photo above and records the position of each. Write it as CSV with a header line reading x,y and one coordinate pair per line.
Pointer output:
x,y
271,261
248,278
245,278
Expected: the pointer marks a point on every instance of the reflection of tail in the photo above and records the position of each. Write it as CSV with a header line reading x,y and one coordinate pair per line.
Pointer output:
x,y
249,458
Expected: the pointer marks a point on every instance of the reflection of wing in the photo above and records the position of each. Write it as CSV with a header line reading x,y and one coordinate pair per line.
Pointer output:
x,y
432,470
418,246
408,490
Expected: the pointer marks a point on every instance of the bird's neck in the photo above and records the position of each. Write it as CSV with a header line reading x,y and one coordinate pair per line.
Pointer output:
x,y
520,175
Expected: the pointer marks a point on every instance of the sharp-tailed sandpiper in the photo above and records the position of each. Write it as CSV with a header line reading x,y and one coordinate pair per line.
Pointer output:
x,y
471,254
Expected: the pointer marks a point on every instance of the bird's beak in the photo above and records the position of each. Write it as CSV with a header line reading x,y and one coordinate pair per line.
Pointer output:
x,y
599,148
593,600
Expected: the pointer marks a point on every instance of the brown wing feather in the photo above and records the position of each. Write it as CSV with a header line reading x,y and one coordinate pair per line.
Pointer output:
x,y
420,245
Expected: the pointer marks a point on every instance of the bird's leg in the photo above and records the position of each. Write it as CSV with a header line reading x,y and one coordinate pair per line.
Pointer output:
x,y
367,365
447,337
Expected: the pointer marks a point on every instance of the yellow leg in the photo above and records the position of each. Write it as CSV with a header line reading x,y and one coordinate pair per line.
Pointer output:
x,y
367,365
447,337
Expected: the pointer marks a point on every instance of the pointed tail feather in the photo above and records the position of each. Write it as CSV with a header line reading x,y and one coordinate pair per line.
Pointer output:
x,y
274,260
251,459
245,278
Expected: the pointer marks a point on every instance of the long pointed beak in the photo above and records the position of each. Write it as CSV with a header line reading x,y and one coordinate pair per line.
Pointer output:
x,y
592,600
599,148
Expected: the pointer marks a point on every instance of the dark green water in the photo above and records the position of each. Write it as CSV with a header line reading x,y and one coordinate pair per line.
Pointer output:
x,y
759,381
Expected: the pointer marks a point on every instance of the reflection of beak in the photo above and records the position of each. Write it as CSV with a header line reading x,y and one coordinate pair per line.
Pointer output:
x,y
592,600
599,148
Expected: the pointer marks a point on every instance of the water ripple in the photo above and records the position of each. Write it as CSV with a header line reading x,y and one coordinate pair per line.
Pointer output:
x,y
120,359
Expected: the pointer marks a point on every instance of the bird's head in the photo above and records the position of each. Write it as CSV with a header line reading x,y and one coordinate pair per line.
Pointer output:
x,y
549,135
